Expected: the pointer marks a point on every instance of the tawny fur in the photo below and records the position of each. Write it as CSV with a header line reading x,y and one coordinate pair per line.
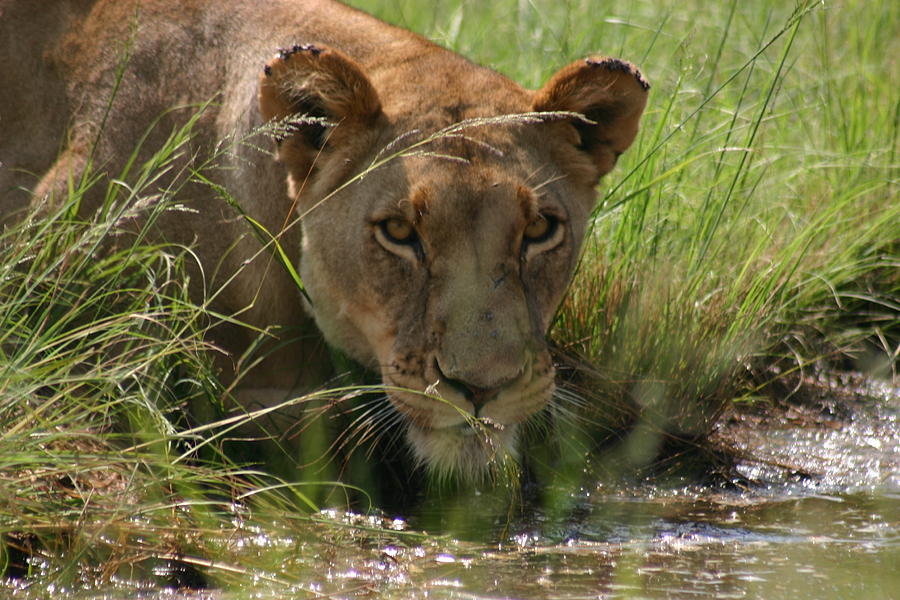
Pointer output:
x,y
462,312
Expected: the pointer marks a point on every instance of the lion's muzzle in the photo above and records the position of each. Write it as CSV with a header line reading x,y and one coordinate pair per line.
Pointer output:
x,y
454,426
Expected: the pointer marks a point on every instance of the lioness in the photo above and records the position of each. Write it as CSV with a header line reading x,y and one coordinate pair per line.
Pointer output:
x,y
441,268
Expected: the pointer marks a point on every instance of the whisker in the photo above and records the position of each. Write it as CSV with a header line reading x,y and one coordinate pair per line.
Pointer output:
x,y
364,421
547,182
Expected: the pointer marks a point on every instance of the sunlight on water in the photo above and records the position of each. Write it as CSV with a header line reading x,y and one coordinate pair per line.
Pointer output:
x,y
822,521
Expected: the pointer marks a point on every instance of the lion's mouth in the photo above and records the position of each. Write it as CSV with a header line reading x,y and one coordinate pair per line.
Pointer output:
x,y
468,450
444,403
476,425
453,427
477,396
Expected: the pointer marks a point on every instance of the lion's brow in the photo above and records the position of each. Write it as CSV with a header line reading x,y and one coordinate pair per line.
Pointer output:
x,y
528,201
420,200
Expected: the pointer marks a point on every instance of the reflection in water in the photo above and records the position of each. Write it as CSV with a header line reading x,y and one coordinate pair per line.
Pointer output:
x,y
811,547
824,524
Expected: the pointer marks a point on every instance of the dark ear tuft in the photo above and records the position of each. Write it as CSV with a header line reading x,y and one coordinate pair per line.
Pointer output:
x,y
311,89
611,93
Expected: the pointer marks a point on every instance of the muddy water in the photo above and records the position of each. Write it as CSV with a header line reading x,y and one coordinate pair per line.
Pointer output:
x,y
821,520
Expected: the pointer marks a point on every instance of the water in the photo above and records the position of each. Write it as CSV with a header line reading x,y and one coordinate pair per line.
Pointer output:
x,y
821,520
815,547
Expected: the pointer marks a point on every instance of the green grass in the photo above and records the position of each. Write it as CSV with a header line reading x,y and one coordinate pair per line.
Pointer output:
x,y
753,231
102,475
756,220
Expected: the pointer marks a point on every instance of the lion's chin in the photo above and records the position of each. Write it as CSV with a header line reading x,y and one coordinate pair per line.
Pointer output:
x,y
468,453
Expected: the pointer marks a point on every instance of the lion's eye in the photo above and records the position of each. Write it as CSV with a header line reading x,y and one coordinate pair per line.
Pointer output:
x,y
540,229
398,231
398,236
544,233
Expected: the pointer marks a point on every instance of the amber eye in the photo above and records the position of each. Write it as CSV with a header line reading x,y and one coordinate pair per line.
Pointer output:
x,y
540,229
398,231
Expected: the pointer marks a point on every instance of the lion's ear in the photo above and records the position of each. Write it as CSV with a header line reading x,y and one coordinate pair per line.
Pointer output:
x,y
315,95
611,93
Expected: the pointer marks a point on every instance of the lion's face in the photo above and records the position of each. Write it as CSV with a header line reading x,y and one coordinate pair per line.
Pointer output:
x,y
445,278
443,267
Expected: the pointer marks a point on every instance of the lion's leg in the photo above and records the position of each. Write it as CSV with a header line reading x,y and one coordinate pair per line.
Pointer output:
x,y
66,173
40,162
276,368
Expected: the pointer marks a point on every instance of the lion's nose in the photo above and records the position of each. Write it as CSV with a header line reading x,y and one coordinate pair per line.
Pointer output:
x,y
478,395
479,378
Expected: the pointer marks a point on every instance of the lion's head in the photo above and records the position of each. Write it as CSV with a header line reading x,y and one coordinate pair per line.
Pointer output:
x,y
442,266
